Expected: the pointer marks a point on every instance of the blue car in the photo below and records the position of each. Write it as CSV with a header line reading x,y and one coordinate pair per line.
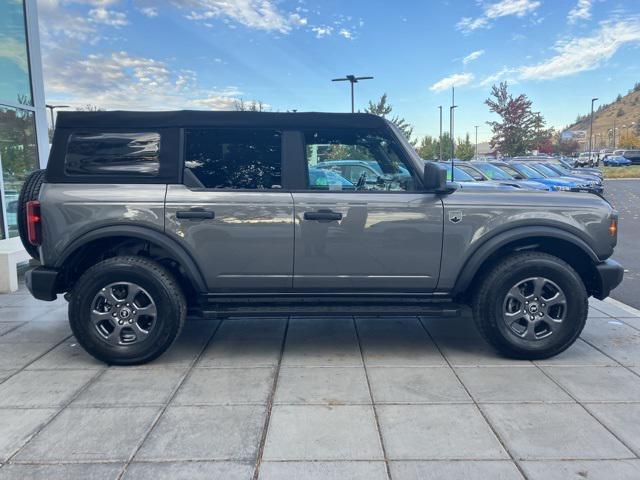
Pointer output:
x,y
468,182
616,161
525,170
493,172
587,184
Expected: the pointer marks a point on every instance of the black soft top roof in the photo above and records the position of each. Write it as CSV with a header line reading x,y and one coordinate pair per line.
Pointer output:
x,y
193,118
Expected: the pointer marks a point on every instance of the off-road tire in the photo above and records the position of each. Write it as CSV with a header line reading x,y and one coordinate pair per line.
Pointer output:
x,y
30,191
488,298
152,277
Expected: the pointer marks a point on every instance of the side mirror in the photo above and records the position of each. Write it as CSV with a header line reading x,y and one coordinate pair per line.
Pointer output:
x,y
435,178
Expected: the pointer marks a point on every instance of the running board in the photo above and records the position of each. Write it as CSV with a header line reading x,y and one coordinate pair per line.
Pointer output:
x,y
215,307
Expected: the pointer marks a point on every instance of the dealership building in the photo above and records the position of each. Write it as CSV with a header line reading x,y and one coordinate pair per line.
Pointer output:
x,y
24,144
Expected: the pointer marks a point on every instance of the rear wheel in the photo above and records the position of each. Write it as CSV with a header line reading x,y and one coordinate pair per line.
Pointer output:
x,y
531,305
30,191
127,310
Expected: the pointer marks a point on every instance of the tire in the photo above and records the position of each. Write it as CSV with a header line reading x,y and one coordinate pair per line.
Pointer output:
x,y
159,299
30,191
516,321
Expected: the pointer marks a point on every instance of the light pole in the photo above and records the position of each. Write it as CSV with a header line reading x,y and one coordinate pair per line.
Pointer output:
x,y
440,138
614,133
51,109
476,127
453,145
352,79
591,131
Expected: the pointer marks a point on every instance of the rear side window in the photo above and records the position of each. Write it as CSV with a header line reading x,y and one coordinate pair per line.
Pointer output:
x,y
236,159
113,153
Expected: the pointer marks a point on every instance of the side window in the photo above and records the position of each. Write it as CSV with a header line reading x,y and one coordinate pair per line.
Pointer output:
x,y
113,153
363,160
237,159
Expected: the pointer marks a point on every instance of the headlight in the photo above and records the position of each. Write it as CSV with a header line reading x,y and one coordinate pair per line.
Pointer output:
x,y
562,188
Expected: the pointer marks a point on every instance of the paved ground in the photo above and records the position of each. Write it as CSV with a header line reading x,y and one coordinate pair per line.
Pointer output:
x,y
625,197
365,398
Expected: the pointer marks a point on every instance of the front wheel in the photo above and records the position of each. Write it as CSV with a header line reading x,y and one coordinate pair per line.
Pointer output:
x,y
126,310
531,306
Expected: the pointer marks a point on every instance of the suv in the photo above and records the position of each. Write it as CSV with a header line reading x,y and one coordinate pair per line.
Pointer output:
x,y
143,218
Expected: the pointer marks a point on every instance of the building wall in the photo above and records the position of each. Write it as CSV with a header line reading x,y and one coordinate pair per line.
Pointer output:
x,y
24,144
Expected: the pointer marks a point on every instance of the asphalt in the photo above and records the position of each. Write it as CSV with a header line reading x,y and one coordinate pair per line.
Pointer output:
x,y
624,195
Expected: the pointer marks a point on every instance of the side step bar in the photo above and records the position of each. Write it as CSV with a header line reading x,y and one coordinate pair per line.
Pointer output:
x,y
216,307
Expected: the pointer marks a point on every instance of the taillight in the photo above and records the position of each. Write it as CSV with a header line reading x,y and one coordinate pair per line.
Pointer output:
x,y
34,223
613,226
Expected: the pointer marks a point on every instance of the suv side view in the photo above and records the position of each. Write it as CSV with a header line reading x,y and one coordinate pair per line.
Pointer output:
x,y
144,218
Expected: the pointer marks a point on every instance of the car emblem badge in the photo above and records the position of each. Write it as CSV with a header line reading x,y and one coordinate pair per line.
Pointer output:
x,y
455,216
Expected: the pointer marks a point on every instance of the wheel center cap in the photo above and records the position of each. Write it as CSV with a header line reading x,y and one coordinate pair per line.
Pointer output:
x,y
533,308
125,313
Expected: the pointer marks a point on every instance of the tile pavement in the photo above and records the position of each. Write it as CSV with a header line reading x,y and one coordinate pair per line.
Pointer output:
x,y
289,398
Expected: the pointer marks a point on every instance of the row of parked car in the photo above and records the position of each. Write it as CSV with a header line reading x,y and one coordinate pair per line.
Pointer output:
x,y
536,173
607,157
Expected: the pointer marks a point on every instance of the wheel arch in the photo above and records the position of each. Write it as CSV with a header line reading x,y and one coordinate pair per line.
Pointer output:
x,y
98,244
566,245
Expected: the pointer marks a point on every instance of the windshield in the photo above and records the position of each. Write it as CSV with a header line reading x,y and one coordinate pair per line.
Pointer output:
x,y
549,172
492,172
528,171
459,175
472,172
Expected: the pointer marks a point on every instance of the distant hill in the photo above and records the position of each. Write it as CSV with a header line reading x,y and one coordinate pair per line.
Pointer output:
x,y
625,110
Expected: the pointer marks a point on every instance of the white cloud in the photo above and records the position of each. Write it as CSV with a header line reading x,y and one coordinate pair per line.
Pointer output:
x,y
473,56
108,17
149,11
505,74
346,33
582,11
455,80
585,53
258,14
14,51
492,11
322,31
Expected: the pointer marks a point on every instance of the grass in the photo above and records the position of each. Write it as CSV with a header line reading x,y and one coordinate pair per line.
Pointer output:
x,y
632,171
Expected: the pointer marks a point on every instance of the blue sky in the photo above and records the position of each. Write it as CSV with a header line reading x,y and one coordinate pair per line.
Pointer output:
x,y
141,54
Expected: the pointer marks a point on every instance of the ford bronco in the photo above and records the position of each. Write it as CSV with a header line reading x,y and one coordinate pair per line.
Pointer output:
x,y
141,219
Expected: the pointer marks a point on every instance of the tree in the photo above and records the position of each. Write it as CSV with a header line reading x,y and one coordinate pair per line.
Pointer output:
x,y
564,147
465,150
515,133
429,147
89,107
382,108
253,106
629,140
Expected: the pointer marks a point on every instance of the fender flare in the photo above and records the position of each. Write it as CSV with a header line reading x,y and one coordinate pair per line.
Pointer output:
x,y
142,233
491,245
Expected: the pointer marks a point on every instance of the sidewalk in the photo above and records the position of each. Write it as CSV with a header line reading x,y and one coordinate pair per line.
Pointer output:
x,y
364,398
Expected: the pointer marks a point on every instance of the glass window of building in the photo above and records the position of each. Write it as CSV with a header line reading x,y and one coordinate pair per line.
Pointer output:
x,y
15,84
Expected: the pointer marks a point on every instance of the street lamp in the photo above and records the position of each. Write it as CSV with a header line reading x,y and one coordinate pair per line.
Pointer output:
x,y
440,138
591,131
51,109
453,145
351,79
476,127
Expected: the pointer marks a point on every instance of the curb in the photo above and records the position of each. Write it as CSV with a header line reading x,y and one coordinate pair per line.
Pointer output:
x,y
616,179
622,306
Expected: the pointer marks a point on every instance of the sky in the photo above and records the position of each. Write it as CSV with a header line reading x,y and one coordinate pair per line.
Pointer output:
x,y
207,54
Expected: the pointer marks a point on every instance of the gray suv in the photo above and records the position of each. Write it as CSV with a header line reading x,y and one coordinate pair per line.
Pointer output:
x,y
142,219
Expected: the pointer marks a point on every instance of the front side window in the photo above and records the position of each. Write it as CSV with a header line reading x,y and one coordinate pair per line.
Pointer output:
x,y
236,159
113,153
358,159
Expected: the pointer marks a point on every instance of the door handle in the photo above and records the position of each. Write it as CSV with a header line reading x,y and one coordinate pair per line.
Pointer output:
x,y
323,216
195,214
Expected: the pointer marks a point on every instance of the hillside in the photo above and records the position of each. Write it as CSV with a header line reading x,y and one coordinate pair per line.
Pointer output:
x,y
625,111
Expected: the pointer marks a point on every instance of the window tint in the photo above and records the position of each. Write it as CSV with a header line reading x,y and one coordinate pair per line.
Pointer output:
x,y
240,159
359,160
113,153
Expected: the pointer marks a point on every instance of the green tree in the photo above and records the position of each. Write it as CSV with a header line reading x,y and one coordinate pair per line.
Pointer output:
x,y
429,147
515,133
253,106
382,108
465,150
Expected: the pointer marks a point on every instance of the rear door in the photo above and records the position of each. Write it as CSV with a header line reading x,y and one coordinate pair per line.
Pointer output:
x,y
231,213
375,233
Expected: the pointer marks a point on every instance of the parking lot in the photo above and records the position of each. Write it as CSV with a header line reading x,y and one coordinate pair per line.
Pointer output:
x,y
625,197
364,398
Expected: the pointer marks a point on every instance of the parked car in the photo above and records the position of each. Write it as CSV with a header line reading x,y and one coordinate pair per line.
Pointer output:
x,y
527,170
367,172
143,217
632,155
492,172
616,161
467,182
567,172
579,184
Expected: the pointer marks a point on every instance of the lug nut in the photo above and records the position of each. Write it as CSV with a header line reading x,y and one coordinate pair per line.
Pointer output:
x,y
130,321
541,314
134,312
114,314
120,322
544,305
531,317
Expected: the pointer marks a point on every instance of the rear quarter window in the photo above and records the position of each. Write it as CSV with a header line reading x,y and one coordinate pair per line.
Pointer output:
x,y
113,153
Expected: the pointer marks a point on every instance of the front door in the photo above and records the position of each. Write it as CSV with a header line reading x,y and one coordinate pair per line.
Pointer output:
x,y
362,224
232,215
